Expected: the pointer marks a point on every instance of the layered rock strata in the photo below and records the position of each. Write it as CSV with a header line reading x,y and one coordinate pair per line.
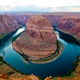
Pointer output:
x,y
53,19
70,25
8,24
38,40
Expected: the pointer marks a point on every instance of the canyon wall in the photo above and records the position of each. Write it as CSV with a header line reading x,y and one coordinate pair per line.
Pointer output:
x,y
22,19
70,25
8,24
53,19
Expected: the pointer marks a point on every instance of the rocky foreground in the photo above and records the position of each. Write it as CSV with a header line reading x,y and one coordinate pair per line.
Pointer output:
x,y
8,73
38,40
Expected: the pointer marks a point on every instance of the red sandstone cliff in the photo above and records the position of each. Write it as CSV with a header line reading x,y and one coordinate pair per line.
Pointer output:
x,y
39,39
53,19
70,25
22,18
40,29
8,24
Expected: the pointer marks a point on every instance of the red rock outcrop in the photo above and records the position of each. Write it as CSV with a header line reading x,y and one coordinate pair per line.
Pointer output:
x,y
8,24
22,18
53,19
70,25
40,29
38,40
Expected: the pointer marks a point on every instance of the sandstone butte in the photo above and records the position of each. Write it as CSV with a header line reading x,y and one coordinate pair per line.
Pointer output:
x,y
8,24
70,25
38,40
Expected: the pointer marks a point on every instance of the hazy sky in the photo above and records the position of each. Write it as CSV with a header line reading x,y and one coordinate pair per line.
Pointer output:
x,y
40,5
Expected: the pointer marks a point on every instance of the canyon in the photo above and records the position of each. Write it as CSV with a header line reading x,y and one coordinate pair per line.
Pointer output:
x,y
7,75
66,22
38,40
53,19
8,24
70,25
70,21
11,22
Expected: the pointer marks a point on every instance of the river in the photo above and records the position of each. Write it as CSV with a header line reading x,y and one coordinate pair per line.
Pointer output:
x,y
59,66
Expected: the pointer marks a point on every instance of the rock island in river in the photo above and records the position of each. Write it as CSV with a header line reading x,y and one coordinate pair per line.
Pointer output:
x,y
38,40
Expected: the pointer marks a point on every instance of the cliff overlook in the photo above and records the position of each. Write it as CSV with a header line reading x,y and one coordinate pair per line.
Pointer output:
x,y
38,40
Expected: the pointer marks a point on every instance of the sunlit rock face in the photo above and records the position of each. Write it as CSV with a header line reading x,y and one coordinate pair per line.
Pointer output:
x,y
53,19
70,25
40,29
38,40
8,24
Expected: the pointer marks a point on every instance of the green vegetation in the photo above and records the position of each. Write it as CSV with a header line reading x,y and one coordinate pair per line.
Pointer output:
x,y
1,58
51,57
3,35
15,37
71,73
59,45
9,71
46,59
1,61
73,70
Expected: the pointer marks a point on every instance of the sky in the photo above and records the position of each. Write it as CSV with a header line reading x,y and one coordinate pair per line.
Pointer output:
x,y
40,5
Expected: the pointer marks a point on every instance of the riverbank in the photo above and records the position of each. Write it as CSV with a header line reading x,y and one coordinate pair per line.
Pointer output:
x,y
11,73
62,31
2,36
8,34
46,59
51,57
66,77
73,74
